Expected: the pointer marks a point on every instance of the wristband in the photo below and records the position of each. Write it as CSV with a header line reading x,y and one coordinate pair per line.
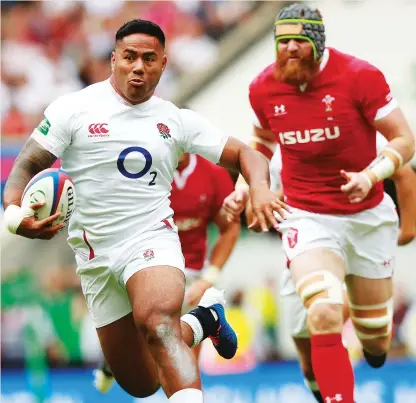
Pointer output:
x,y
211,274
384,165
14,215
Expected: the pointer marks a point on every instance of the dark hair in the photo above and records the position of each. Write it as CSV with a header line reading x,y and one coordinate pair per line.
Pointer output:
x,y
138,26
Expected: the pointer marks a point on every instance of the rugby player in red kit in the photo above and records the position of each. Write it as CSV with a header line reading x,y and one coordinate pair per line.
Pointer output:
x,y
324,108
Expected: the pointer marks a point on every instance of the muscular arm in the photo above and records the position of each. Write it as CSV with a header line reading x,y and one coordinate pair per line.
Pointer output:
x,y
395,128
32,159
405,181
229,233
255,170
252,165
262,141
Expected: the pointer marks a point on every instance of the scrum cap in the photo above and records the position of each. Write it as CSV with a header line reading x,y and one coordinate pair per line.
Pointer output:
x,y
299,21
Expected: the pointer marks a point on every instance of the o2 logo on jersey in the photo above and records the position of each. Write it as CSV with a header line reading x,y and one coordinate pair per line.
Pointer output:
x,y
136,175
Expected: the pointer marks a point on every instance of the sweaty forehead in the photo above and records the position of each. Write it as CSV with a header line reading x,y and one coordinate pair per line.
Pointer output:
x,y
140,42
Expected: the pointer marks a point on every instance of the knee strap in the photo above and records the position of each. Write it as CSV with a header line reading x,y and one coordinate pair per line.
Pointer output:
x,y
320,287
370,324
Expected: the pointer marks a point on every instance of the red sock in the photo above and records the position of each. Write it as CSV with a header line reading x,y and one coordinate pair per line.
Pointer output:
x,y
332,368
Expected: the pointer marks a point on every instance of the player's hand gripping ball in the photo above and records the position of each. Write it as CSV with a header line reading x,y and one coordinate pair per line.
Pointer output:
x,y
51,193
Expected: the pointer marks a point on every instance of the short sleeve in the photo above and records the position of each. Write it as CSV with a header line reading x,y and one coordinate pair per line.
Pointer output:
x,y
275,170
201,137
373,94
54,131
223,187
258,117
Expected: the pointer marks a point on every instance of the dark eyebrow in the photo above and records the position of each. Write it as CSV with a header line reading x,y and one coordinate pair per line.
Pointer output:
x,y
133,52
149,53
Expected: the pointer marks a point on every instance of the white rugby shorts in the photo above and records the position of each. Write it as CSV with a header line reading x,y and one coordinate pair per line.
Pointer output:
x,y
104,278
366,241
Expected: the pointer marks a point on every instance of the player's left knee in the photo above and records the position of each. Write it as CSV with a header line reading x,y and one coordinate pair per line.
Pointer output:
x,y
373,325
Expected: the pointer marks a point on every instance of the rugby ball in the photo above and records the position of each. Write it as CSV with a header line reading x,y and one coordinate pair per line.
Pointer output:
x,y
56,189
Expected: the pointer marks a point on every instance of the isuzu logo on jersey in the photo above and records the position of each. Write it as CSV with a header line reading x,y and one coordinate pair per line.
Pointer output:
x,y
98,129
187,224
307,136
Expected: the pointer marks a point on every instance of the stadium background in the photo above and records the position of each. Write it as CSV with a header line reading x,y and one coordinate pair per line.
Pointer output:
x,y
215,48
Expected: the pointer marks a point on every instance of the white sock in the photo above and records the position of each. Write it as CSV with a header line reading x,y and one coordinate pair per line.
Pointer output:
x,y
187,396
196,327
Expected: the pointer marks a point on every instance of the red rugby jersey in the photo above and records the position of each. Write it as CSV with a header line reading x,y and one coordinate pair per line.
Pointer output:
x,y
325,128
197,196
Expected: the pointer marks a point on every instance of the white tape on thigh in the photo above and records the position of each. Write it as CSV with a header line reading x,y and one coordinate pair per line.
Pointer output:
x,y
329,282
374,323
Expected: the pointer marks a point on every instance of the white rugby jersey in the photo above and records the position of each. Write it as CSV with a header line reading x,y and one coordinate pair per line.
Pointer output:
x,y
276,162
121,158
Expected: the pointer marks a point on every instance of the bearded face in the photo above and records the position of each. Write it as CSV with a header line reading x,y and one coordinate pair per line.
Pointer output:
x,y
295,62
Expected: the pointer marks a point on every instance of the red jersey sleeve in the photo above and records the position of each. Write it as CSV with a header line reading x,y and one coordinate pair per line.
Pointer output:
x,y
372,93
256,105
223,187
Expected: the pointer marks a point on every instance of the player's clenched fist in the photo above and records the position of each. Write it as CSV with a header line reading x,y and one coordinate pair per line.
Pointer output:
x,y
267,208
357,187
235,202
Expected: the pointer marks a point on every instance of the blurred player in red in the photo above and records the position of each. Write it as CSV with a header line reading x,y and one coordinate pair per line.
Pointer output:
x,y
292,309
324,108
198,191
199,188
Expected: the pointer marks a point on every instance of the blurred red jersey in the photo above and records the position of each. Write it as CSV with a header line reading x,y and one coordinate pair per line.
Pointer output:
x,y
197,195
323,128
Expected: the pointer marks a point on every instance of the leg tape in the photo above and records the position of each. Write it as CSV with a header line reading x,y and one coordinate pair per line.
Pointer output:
x,y
320,287
370,324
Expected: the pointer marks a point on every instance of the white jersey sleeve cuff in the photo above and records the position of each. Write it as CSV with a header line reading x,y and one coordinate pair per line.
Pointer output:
x,y
386,110
44,141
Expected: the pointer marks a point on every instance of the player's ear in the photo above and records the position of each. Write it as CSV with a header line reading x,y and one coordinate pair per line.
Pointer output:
x,y
164,62
113,60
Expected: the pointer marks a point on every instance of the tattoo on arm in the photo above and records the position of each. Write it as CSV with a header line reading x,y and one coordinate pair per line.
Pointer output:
x,y
32,159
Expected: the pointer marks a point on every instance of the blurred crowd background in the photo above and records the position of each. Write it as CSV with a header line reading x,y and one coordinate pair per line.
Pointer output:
x,y
50,48
54,47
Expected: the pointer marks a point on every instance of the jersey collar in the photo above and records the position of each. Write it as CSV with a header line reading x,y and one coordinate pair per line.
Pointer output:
x,y
181,178
140,107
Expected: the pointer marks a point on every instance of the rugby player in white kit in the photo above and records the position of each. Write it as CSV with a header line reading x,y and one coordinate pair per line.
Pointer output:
x,y
121,145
